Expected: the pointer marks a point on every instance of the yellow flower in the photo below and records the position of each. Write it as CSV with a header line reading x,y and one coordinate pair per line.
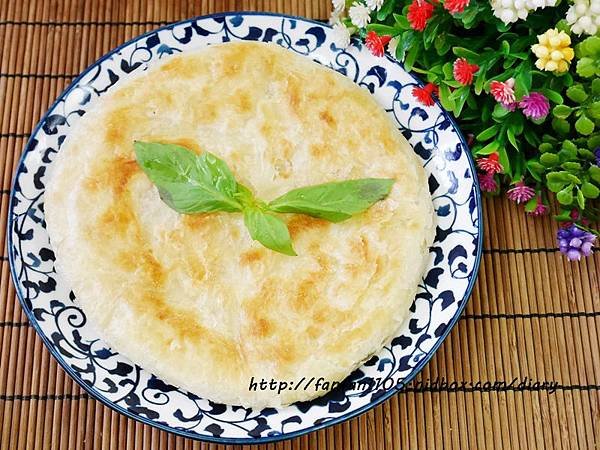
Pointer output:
x,y
553,51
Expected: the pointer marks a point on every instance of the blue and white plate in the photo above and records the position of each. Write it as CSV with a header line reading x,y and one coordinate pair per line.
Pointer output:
x,y
117,382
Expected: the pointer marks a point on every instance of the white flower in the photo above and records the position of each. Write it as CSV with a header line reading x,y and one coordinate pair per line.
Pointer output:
x,y
509,11
359,14
584,17
340,35
392,46
338,5
374,5
334,17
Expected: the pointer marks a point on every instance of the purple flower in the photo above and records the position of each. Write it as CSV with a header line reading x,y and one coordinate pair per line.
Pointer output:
x,y
575,242
597,153
520,192
487,183
535,105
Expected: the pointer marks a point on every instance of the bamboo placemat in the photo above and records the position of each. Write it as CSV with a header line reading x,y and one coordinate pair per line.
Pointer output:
x,y
533,315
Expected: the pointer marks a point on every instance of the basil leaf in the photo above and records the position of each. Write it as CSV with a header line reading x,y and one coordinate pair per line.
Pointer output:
x,y
187,182
269,230
335,201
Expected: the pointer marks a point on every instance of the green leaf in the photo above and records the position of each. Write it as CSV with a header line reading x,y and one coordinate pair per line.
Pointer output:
x,y
386,9
577,93
383,30
589,190
462,52
523,80
593,110
545,147
531,205
510,134
580,199
336,201
488,133
442,44
549,159
445,99
561,126
504,160
562,111
596,86
505,48
555,186
593,141
557,177
269,230
553,96
500,111
586,67
488,149
187,182
584,126
571,166
535,167
565,196
447,69
594,172
589,47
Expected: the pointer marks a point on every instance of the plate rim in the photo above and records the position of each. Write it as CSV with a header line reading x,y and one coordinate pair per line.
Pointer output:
x,y
190,434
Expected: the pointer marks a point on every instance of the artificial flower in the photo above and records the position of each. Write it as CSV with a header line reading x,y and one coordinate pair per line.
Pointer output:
x,y
509,11
487,182
359,14
463,71
490,164
503,91
597,154
584,17
423,94
338,5
535,105
575,217
375,43
553,51
340,35
456,6
374,5
419,12
520,192
540,209
575,242
392,46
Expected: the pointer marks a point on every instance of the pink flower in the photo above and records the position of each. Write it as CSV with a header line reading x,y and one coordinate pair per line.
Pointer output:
x,y
503,92
463,71
419,12
535,105
376,44
520,192
490,164
423,94
487,182
456,6
540,209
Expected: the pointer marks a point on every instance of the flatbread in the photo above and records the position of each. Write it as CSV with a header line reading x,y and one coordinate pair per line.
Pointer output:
x,y
193,298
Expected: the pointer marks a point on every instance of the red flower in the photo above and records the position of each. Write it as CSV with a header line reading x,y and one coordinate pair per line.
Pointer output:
x,y
463,71
376,43
419,12
490,164
456,6
487,182
423,94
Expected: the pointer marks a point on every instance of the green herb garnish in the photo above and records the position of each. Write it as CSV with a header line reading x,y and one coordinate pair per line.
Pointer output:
x,y
191,183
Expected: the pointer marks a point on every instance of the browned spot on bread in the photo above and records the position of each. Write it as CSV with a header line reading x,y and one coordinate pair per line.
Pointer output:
x,y
300,223
196,221
305,296
114,174
251,256
294,91
116,220
243,102
183,68
326,117
263,327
